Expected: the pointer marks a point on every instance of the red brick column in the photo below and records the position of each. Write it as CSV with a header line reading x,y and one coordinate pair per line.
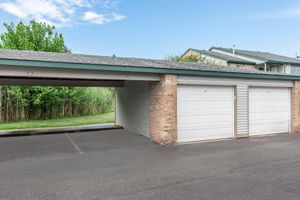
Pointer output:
x,y
163,110
296,107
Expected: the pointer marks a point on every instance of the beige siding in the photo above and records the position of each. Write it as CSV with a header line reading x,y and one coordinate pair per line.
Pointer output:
x,y
209,59
242,113
132,107
191,53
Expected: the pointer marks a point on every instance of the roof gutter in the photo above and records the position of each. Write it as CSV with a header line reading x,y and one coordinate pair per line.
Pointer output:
x,y
282,63
137,69
241,62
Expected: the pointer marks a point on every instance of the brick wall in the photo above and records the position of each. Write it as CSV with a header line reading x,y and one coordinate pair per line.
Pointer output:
x,y
163,110
296,107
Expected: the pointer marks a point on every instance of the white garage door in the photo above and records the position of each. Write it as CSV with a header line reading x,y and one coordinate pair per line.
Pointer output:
x,y
269,110
205,113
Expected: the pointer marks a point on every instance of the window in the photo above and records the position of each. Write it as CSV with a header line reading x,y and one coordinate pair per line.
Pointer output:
x,y
261,69
296,70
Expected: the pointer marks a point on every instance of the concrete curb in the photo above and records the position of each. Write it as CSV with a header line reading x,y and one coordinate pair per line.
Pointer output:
x,y
58,130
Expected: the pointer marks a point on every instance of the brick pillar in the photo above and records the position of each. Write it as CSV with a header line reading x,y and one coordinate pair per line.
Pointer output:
x,y
296,107
163,110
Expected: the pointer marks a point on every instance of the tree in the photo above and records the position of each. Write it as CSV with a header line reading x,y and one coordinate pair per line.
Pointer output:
x,y
34,36
17,102
192,58
37,102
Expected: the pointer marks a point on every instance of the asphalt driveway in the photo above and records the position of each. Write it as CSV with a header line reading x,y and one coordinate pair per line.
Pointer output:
x,y
119,165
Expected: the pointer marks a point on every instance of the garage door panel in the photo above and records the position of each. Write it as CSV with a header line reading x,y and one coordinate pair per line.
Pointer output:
x,y
205,113
200,110
203,93
204,106
207,134
276,105
207,100
275,128
208,119
269,110
208,125
272,122
265,117
264,109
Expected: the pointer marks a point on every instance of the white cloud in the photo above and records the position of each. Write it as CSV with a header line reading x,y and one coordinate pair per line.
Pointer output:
x,y
98,18
63,12
94,17
117,17
13,9
288,13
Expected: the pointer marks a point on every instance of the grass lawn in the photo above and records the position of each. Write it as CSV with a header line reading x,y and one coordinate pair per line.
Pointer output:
x,y
61,122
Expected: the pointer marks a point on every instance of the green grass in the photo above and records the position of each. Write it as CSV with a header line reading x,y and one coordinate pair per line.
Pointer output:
x,y
61,122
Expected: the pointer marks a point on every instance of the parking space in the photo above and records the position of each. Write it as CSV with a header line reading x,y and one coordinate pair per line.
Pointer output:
x,y
68,144
119,165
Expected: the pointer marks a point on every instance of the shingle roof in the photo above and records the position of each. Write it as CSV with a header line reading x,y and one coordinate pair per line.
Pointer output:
x,y
71,58
227,58
265,56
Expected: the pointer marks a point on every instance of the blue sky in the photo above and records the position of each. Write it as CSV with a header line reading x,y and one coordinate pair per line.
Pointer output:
x,y
158,28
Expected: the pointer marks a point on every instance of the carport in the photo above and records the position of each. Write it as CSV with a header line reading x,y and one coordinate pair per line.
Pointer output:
x,y
26,68
170,102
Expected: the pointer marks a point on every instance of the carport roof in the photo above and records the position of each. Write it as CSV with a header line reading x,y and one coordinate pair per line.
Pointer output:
x,y
107,63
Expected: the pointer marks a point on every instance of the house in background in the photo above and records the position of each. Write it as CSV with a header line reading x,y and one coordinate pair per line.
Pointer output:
x,y
263,61
220,58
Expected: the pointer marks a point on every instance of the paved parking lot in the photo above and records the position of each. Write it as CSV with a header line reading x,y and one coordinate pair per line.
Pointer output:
x,y
119,165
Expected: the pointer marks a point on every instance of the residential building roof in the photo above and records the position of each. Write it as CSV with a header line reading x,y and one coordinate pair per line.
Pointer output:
x,y
227,58
264,56
110,63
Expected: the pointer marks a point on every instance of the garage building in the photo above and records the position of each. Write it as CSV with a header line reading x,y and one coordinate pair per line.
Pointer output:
x,y
171,102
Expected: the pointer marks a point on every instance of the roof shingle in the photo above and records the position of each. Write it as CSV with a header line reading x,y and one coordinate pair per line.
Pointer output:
x,y
20,55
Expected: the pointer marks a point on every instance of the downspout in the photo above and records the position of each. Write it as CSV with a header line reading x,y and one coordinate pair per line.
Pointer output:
x,y
265,68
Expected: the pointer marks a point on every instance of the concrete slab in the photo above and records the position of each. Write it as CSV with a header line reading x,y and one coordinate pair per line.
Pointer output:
x,y
116,164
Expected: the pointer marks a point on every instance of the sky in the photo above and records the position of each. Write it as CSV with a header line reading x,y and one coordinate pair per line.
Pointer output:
x,y
159,28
